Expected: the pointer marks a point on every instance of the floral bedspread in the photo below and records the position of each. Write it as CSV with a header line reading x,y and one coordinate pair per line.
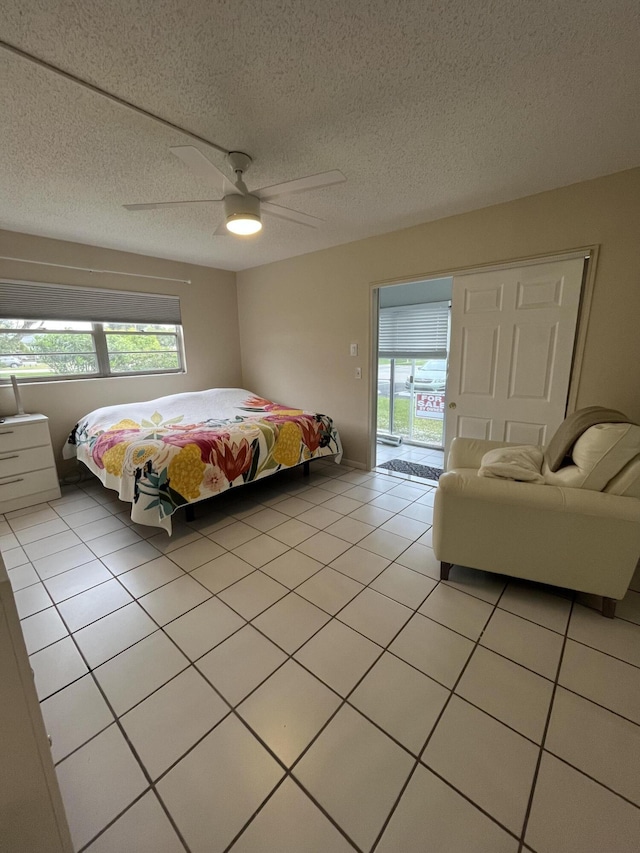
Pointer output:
x,y
165,453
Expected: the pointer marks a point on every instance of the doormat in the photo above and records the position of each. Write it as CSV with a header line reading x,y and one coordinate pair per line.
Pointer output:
x,y
404,467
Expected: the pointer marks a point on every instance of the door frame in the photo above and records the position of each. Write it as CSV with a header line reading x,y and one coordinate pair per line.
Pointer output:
x,y
590,255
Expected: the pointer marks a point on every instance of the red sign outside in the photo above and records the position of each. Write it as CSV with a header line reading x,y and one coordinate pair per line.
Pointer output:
x,y
428,405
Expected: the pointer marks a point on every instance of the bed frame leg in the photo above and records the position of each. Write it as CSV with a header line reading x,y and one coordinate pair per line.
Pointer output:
x,y
609,607
190,512
305,468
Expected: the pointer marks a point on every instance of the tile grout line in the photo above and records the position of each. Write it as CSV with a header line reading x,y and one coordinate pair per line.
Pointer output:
x,y
598,705
134,802
205,535
289,777
345,701
608,654
153,784
233,710
124,734
136,600
187,572
536,771
290,657
289,771
193,662
117,719
419,761
593,778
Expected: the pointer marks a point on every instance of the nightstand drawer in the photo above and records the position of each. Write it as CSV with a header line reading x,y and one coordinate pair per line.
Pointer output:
x,y
14,437
21,461
28,484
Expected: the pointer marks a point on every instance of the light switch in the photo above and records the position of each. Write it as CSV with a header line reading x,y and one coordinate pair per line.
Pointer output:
x,y
353,349
358,373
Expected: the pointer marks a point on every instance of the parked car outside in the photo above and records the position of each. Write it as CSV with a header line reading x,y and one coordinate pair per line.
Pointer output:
x,y
432,376
11,361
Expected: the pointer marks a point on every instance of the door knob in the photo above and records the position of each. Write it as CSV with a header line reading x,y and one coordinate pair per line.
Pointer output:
x,y
452,405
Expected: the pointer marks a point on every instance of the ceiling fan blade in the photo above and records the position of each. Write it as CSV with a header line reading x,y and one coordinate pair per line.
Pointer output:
x,y
204,168
221,230
290,215
153,204
311,182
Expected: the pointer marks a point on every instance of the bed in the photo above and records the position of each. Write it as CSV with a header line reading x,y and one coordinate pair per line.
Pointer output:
x,y
167,453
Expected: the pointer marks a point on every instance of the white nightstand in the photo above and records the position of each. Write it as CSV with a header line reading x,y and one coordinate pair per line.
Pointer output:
x,y
33,817
28,473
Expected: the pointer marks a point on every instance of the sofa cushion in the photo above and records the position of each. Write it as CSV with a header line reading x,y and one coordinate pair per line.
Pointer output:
x,y
597,456
573,427
627,481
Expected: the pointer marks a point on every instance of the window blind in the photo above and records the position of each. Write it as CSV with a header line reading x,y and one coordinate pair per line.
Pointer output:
x,y
28,300
414,331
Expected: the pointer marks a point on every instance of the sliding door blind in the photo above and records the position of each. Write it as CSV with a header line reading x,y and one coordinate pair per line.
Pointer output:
x,y
27,300
414,331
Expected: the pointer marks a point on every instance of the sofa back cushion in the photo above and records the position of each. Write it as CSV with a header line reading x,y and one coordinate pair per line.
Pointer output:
x,y
597,457
627,481
573,426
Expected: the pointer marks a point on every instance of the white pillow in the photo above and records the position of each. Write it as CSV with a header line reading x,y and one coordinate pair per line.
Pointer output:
x,y
523,463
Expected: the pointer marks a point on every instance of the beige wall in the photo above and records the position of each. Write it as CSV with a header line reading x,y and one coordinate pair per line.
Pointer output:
x,y
298,317
209,316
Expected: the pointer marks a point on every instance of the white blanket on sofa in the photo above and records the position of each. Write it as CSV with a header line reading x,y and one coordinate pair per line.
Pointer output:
x,y
523,463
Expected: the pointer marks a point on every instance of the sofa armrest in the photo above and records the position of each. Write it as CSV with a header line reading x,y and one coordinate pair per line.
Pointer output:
x,y
468,452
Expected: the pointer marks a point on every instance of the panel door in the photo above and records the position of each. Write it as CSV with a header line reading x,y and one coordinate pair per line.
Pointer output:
x,y
512,339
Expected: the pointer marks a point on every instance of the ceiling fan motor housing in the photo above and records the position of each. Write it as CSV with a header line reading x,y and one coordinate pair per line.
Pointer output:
x,y
241,206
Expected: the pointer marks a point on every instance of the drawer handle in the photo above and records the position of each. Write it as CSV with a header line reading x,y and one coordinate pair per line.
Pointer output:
x,y
6,432
5,458
8,482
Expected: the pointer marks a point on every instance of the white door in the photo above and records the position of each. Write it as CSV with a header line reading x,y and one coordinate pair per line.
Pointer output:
x,y
512,336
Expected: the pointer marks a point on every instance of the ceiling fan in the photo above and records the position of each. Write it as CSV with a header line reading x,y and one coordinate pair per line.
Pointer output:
x,y
243,208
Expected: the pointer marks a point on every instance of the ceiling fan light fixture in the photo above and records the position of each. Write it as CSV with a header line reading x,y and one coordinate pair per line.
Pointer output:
x,y
242,214
243,223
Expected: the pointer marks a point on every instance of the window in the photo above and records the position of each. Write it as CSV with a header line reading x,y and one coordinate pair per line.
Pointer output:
x,y
52,349
90,333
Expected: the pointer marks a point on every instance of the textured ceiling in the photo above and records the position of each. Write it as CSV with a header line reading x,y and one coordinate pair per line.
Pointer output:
x,y
429,109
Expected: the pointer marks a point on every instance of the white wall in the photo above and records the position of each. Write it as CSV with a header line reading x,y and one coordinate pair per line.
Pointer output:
x,y
209,316
297,317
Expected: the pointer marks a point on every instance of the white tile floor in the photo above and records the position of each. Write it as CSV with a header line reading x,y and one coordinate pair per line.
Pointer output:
x,y
287,673
410,453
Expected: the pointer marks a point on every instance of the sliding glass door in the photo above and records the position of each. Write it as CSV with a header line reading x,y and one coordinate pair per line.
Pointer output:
x,y
411,399
412,362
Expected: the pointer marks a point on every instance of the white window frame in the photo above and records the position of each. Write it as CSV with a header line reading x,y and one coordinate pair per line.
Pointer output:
x,y
104,371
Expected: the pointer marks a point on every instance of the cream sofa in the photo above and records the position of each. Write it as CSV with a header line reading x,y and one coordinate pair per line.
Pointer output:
x,y
580,529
